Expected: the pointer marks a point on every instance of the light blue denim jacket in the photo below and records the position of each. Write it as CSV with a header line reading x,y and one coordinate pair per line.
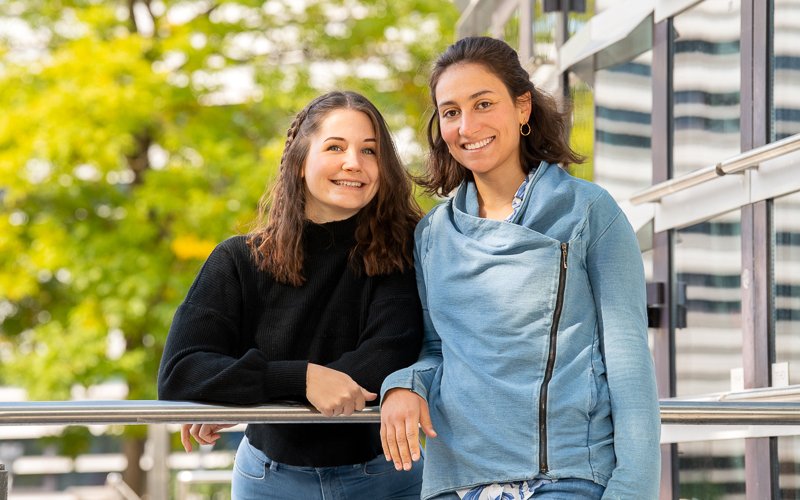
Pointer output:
x,y
535,354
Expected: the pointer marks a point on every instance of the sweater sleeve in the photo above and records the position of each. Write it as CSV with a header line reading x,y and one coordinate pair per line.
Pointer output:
x,y
615,270
207,356
392,332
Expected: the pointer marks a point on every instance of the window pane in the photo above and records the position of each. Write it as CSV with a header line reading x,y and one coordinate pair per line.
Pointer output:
x,y
789,471
623,99
786,69
708,260
706,85
711,470
786,221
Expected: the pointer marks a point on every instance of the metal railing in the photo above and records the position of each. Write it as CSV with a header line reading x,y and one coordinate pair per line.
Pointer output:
x,y
759,407
724,411
165,412
733,165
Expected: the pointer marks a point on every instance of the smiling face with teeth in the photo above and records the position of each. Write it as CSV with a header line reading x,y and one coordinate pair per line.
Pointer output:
x,y
479,121
341,171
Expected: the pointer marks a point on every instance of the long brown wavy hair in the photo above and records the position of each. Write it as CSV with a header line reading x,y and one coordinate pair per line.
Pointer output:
x,y
384,232
549,125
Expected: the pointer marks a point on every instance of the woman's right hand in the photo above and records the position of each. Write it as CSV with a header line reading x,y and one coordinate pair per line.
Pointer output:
x,y
333,392
402,413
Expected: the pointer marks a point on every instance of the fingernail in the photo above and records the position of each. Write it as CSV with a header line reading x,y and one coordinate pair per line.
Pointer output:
x,y
388,458
415,456
407,466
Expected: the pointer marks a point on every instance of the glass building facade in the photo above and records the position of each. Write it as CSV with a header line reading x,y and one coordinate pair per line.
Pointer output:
x,y
678,89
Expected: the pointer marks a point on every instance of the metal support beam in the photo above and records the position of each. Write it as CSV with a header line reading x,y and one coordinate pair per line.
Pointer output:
x,y
3,482
758,350
664,334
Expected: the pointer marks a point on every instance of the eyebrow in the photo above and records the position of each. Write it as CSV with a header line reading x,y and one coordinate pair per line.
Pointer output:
x,y
473,96
342,139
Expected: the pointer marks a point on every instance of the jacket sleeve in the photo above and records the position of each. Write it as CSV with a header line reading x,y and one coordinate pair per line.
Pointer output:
x,y
208,358
418,377
391,335
616,275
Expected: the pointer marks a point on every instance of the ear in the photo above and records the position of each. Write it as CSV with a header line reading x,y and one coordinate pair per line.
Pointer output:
x,y
524,107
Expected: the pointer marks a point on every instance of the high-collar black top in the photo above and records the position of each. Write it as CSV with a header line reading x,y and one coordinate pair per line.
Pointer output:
x,y
240,337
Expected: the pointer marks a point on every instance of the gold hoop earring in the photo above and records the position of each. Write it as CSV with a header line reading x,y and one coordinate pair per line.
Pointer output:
x,y
525,129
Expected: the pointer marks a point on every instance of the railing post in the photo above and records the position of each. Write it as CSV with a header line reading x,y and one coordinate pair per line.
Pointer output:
x,y
157,450
3,482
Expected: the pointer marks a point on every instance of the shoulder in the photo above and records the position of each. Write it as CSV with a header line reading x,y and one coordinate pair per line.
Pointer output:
x,y
235,248
574,193
235,245
230,255
562,182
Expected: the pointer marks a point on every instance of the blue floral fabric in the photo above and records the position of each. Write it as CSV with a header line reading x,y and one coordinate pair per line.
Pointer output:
x,y
509,491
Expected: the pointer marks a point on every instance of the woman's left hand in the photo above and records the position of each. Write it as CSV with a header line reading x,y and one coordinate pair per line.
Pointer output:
x,y
202,433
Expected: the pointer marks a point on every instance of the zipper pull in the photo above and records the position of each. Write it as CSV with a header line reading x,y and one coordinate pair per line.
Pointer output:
x,y
564,255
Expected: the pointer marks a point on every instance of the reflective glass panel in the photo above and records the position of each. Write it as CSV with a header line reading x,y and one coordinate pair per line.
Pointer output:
x,y
708,261
789,468
711,470
786,69
706,85
786,228
623,100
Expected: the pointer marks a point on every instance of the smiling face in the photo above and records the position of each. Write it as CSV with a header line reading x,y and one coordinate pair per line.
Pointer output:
x,y
479,120
341,169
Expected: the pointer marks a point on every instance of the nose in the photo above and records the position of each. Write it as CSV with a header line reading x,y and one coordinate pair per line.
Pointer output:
x,y
468,125
351,161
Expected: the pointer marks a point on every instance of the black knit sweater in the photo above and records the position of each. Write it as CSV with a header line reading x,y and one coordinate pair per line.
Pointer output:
x,y
242,338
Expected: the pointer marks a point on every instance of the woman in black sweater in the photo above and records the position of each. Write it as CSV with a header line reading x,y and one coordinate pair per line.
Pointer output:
x,y
317,304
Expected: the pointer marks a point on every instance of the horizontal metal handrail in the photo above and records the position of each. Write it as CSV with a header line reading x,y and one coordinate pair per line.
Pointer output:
x,y
730,413
735,164
166,412
673,411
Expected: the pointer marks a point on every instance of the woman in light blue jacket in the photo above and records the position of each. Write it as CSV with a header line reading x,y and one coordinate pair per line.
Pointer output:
x,y
535,379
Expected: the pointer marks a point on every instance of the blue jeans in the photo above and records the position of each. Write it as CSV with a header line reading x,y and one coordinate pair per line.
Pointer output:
x,y
255,476
563,489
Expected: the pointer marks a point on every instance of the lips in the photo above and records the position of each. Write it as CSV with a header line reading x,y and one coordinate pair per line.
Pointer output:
x,y
477,145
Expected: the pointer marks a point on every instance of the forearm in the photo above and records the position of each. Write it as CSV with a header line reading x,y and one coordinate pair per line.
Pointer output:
x,y
205,359
217,378
419,376
617,280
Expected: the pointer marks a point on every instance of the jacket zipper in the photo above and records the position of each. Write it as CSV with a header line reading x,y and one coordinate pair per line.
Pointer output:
x,y
551,360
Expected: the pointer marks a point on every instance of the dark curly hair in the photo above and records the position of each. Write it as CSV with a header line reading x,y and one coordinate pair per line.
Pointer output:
x,y
549,125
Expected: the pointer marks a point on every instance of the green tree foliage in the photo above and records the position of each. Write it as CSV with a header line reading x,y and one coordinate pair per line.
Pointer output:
x,y
125,156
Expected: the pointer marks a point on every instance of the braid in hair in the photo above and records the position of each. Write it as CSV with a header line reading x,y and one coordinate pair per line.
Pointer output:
x,y
291,133
277,245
